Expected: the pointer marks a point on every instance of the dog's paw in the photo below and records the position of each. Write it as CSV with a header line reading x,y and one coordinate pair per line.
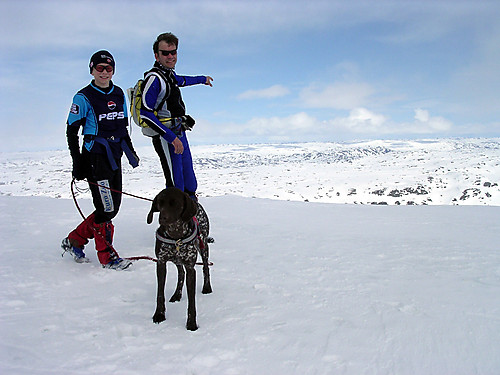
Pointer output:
x,y
207,289
176,297
158,317
191,326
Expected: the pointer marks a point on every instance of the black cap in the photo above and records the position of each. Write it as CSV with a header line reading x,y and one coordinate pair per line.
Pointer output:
x,y
101,57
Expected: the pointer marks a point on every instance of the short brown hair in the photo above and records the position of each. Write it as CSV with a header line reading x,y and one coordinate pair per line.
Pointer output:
x,y
167,37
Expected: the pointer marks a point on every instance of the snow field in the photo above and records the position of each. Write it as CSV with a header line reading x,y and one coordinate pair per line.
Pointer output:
x,y
299,288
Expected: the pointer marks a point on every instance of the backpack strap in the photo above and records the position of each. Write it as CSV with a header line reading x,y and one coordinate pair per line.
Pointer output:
x,y
160,75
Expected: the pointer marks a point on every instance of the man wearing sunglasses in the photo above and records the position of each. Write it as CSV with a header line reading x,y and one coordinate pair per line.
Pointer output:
x,y
165,113
100,109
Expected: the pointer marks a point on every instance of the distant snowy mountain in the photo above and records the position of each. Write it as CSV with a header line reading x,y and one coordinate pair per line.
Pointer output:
x,y
429,172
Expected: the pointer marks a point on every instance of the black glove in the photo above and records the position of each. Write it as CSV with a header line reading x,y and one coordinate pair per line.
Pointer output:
x,y
187,122
78,168
136,157
128,141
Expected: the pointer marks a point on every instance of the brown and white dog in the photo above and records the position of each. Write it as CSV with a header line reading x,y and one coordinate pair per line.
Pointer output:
x,y
182,234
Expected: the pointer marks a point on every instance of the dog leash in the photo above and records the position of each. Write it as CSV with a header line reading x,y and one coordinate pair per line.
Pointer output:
x,y
118,191
96,233
140,257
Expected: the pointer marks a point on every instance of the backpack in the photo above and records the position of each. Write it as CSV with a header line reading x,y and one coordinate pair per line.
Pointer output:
x,y
135,99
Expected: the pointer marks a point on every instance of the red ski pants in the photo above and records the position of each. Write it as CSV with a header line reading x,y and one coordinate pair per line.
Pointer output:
x,y
101,233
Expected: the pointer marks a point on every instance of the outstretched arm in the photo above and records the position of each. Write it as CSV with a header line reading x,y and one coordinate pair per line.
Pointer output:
x,y
183,81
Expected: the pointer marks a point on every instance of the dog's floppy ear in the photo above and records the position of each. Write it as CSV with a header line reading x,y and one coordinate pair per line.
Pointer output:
x,y
190,208
154,208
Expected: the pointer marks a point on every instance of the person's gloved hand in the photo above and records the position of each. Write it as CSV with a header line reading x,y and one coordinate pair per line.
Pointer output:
x,y
136,157
78,168
187,122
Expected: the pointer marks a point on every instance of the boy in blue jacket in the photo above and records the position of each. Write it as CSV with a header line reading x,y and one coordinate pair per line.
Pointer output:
x,y
100,109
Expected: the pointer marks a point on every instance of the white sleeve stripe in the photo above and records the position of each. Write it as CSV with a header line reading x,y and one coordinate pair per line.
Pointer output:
x,y
147,85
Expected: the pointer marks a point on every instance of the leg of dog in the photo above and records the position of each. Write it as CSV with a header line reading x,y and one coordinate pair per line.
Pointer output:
x,y
191,292
161,276
204,226
176,297
207,287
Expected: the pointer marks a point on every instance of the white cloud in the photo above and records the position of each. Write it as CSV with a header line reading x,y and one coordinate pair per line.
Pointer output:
x,y
361,120
364,122
426,124
302,127
296,127
268,93
280,126
337,95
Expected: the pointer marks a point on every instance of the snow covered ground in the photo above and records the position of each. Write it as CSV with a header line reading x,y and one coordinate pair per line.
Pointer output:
x,y
299,287
442,172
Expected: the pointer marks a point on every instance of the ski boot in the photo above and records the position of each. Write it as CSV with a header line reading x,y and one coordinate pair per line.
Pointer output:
x,y
108,256
118,264
76,252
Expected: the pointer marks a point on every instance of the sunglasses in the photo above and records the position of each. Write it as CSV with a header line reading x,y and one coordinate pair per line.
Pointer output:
x,y
166,53
100,68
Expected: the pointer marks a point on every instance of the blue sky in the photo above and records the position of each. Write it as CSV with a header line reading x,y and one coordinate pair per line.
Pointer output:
x,y
284,71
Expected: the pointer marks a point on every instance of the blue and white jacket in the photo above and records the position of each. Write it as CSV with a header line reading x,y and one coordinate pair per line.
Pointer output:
x,y
161,93
103,116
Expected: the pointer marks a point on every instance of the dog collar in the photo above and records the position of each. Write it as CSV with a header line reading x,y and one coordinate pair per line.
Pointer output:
x,y
181,241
